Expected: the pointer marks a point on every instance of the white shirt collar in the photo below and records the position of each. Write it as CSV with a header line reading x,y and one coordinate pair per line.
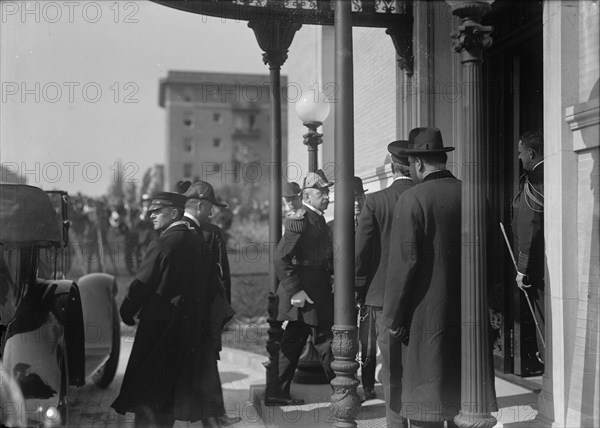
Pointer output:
x,y
310,207
194,219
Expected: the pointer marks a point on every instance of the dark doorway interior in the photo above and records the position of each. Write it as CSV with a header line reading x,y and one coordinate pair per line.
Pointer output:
x,y
513,82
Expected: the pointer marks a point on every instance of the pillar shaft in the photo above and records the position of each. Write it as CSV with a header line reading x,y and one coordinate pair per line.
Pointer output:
x,y
274,38
344,401
477,373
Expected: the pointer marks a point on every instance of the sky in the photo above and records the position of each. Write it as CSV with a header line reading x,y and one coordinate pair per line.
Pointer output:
x,y
80,84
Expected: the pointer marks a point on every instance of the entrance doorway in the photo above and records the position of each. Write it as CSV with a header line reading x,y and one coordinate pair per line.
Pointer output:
x,y
513,82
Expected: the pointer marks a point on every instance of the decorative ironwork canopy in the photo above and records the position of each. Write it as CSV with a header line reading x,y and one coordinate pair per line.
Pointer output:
x,y
365,13
394,15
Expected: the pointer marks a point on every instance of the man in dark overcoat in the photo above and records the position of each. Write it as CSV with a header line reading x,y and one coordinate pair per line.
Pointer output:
x,y
172,372
198,210
422,294
372,250
303,263
200,200
528,227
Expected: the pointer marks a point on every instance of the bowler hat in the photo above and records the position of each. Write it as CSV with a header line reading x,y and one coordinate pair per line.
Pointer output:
x,y
167,199
422,141
291,189
316,180
203,190
358,186
396,149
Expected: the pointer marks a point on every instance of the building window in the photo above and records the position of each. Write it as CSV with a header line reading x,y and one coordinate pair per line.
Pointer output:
x,y
251,121
217,117
188,95
217,142
188,145
188,120
187,170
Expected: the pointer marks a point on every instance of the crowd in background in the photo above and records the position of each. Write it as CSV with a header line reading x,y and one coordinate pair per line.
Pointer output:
x,y
109,231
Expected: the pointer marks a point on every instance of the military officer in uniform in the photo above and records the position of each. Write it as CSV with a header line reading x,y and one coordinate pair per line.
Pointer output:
x,y
172,373
372,251
528,226
303,263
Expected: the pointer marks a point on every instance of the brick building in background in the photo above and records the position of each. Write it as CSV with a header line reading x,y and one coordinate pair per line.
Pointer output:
x,y
218,131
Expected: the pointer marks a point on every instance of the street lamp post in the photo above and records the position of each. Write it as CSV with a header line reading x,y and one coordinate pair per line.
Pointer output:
x,y
313,109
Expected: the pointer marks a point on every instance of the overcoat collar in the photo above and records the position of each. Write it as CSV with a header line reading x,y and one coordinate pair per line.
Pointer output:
x,y
437,175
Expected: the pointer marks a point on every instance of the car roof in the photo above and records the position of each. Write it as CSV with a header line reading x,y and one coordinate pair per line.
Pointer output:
x,y
27,216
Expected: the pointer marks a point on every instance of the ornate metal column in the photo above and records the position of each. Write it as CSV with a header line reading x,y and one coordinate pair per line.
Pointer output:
x,y
344,401
477,396
274,37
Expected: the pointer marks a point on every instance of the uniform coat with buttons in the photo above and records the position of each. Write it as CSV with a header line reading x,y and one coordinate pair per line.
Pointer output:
x,y
303,261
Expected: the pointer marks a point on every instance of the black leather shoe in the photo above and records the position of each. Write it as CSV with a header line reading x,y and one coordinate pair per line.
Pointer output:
x,y
282,401
369,395
225,421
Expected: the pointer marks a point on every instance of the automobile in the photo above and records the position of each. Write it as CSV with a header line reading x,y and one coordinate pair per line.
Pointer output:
x,y
55,333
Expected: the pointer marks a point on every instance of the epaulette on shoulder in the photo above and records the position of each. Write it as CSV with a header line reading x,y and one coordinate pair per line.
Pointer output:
x,y
295,222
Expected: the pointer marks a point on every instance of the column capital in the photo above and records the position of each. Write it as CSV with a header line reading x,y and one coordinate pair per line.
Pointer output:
x,y
471,35
274,37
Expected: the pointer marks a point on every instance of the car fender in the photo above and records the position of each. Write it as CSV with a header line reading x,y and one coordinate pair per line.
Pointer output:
x,y
35,358
12,403
97,291
48,322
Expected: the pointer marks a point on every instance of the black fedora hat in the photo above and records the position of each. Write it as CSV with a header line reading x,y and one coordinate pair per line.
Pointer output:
x,y
422,141
204,190
397,150
358,186
291,190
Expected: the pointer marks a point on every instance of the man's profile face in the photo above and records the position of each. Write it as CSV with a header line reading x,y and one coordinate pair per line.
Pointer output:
x,y
162,218
293,202
317,198
205,210
526,157
359,202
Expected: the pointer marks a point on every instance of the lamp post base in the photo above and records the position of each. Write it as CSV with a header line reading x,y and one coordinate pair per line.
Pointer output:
x,y
474,420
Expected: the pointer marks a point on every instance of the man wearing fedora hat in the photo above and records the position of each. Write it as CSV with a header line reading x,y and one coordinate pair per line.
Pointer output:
x,y
423,285
372,249
198,209
292,196
303,263
171,368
